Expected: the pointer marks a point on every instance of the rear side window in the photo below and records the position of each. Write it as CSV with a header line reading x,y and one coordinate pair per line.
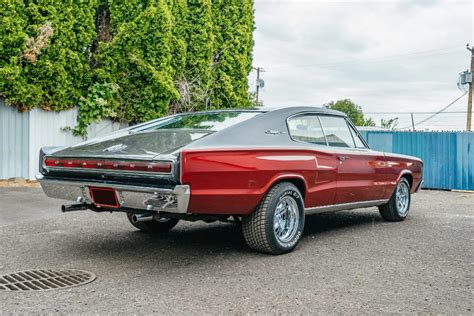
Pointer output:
x,y
306,128
337,132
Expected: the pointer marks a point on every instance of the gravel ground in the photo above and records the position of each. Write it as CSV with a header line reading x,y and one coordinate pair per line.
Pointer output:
x,y
347,262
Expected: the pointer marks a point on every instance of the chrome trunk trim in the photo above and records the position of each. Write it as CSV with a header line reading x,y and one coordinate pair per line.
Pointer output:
x,y
174,200
344,206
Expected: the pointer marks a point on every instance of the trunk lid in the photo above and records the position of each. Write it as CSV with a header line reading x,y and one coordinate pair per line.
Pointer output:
x,y
135,145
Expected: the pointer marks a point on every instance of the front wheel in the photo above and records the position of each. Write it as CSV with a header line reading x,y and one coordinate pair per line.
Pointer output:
x,y
396,209
159,226
276,226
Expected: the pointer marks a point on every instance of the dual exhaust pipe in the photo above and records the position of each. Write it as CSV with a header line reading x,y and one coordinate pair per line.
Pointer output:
x,y
136,218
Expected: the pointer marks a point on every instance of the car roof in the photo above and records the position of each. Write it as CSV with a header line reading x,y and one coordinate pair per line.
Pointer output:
x,y
289,110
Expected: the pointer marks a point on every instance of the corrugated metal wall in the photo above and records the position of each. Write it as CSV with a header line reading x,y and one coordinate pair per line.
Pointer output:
x,y
23,134
448,156
14,141
47,129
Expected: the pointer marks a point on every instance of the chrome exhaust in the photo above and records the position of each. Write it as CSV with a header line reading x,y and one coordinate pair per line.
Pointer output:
x,y
139,218
73,207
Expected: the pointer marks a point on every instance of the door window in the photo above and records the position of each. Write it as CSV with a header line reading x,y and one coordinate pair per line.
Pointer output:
x,y
337,132
358,142
306,128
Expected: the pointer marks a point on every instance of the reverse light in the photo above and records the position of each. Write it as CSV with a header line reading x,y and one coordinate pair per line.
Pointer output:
x,y
112,165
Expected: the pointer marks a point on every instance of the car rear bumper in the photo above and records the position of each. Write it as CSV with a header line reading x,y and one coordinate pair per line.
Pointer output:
x,y
175,200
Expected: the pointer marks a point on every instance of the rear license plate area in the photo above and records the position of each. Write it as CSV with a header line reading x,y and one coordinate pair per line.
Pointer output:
x,y
104,197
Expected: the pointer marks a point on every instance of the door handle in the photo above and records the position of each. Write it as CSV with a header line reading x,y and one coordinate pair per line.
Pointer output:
x,y
342,158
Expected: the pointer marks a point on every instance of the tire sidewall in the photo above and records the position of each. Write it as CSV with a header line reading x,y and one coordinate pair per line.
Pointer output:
x,y
395,205
284,191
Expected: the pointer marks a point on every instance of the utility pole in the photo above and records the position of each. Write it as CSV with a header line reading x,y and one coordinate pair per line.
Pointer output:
x,y
413,122
469,99
259,83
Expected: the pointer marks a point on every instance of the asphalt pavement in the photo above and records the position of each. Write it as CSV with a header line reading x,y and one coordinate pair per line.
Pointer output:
x,y
347,262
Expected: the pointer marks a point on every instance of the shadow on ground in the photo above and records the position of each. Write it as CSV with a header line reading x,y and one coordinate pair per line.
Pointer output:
x,y
198,240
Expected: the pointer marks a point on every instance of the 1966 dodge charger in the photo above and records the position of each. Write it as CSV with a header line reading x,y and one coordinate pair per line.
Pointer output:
x,y
265,169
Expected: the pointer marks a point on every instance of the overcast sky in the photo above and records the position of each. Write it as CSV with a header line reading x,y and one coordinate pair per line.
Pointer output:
x,y
386,55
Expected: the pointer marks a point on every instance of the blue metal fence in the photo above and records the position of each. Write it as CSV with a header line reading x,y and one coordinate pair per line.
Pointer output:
x,y
448,157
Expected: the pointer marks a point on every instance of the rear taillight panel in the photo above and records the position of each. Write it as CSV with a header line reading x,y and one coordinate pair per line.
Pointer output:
x,y
108,165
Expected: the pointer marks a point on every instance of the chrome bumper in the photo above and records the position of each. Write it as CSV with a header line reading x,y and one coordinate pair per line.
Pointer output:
x,y
143,198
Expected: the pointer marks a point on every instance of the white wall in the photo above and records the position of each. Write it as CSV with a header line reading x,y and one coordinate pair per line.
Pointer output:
x,y
23,134
14,137
46,129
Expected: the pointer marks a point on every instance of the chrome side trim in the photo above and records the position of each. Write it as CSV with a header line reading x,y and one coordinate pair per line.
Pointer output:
x,y
174,200
344,206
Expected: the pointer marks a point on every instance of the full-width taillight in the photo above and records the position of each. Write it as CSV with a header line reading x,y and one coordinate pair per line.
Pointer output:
x,y
102,164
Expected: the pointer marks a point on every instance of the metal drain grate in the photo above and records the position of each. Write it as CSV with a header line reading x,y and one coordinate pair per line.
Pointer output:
x,y
48,279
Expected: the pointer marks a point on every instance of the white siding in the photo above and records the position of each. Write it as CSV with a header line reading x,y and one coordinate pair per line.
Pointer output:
x,y
23,134
14,133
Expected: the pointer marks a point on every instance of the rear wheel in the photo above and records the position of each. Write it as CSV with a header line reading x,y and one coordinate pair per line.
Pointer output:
x,y
161,225
397,208
276,226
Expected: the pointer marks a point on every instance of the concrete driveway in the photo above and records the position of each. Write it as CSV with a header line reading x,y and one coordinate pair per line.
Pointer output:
x,y
347,262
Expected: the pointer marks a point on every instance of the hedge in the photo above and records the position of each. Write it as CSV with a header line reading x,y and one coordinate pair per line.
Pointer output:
x,y
128,60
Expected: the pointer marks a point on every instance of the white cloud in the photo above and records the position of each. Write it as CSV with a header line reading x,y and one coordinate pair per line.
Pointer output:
x,y
385,55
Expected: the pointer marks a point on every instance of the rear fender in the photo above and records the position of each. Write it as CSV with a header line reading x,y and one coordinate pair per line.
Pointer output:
x,y
286,176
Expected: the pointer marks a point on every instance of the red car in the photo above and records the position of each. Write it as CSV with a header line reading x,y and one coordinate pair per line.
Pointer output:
x,y
264,168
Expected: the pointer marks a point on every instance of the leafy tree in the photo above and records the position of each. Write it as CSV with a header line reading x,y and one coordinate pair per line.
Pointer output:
x,y
352,110
390,123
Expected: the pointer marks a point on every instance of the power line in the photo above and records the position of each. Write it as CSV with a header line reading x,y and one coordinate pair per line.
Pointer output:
x,y
436,113
410,112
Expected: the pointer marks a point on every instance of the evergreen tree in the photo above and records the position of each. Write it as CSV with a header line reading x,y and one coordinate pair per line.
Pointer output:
x,y
130,60
138,62
233,21
200,41
48,67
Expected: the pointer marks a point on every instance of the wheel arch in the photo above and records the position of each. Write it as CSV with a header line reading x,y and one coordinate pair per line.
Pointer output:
x,y
296,180
408,175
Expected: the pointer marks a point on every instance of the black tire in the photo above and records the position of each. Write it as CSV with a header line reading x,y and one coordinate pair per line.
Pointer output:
x,y
258,228
392,211
154,226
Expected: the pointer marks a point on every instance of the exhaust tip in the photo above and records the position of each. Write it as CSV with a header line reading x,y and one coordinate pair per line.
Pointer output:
x,y
73,207
139,218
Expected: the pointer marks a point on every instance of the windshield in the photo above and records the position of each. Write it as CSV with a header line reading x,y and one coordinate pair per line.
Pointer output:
x,y
211,121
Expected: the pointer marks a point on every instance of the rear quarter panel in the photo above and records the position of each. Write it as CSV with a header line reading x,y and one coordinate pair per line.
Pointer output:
x,y
233,181
402,165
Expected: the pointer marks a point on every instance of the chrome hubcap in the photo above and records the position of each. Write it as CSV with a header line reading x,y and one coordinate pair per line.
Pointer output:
x,y
286,219
403,198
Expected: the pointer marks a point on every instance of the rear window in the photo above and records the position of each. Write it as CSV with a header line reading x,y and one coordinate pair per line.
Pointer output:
x,y
214,121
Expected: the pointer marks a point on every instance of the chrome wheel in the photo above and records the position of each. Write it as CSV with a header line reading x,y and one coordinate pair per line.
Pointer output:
x,y
403,198
286,219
